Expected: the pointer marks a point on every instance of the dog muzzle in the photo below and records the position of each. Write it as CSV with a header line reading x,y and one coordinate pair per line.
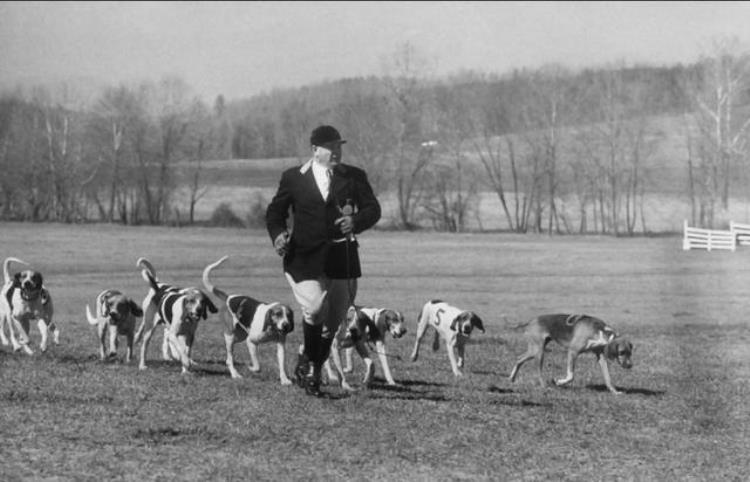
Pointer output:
x,y
29,292
286,328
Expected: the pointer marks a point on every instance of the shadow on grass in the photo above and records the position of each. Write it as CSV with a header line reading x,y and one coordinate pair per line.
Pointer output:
x,y
628,391
512,402
421,383
495,389
519,403
410,395
490,372
77,359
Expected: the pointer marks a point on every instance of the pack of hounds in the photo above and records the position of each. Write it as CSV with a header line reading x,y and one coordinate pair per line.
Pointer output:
x,y
24,299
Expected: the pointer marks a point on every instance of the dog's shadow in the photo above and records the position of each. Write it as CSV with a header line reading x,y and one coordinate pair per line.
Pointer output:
x,y
490,372
404,390
414,383
628,391
514,401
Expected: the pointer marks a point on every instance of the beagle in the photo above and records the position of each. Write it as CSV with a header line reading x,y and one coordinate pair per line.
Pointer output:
x,y
24,298
253,322
364,325
578,334
453,325
180,309
115,315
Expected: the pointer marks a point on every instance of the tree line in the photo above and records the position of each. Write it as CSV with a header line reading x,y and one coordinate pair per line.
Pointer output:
x,y
563,151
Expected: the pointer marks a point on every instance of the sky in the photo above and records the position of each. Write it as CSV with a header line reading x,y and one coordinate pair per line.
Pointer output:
x,y
240,49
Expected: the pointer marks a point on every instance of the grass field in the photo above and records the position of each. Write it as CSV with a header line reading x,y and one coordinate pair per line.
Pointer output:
x,y
684,415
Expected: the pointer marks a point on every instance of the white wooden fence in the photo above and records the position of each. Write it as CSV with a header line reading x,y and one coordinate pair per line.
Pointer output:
x,y
741,232
709,239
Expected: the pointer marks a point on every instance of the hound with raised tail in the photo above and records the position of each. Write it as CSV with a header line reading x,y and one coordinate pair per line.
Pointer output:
x,y
23,299
578,334
254,322
365,325
453,325
115,315
180,309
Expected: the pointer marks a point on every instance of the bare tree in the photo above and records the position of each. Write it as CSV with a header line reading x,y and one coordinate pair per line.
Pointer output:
x,y
411,149
722,131
549,108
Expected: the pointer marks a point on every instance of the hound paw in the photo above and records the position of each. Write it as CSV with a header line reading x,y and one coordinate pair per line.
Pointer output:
x,y
25,349
286,381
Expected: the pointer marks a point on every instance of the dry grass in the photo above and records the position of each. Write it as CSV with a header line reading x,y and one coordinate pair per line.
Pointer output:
x,y
67,416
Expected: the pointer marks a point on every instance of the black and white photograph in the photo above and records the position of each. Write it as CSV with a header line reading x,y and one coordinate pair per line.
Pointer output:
x,y
374,240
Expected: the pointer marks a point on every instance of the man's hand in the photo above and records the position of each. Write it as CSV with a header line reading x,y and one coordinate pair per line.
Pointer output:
x,y
281,243
345,224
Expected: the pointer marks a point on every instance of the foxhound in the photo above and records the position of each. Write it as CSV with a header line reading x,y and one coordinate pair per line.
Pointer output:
x,y
115,315
364,325
23,299
578,334
180,309
254,322
453,325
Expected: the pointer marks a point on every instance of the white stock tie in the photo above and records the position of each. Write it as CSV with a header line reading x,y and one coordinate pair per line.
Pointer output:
x,y
324,189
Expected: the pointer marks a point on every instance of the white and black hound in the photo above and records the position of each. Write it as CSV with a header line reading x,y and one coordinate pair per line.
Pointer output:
x,y
24,298
180,309
453,325
254,322
365,325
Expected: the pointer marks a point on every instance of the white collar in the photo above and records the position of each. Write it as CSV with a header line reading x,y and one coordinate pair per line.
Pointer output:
x,y
306,166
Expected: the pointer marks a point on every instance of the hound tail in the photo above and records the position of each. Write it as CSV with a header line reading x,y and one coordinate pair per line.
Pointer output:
x,y
6,267
145,264
207,282
150,279
90,317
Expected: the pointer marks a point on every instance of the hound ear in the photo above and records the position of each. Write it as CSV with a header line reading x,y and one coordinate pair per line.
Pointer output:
x,y
610,351
210,304
104,306
135,309
267,321
382,319
17,279
455,322
477,322
290,316
351,314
